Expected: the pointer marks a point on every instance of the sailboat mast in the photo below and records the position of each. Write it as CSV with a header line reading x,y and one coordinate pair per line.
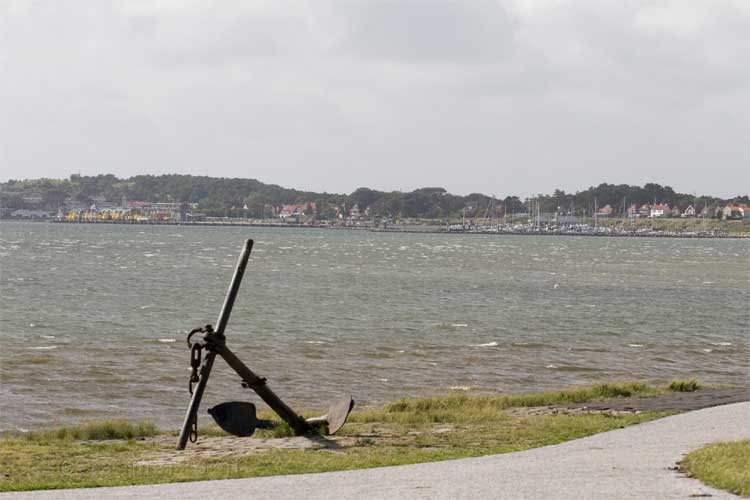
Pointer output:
x,y
596,212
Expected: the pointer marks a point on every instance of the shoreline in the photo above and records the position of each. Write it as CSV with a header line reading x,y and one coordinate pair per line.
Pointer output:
x,y
714,234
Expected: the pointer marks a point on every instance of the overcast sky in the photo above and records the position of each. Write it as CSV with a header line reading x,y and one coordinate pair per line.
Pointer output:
x,y
513,97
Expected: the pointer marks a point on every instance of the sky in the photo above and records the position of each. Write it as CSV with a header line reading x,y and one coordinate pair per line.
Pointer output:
x,y
514,97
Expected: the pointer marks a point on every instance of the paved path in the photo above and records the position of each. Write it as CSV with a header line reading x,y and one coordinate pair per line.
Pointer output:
x,y
626,463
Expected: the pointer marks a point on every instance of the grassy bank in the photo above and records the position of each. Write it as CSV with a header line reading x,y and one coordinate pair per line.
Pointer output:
x,y
403,432
722,465
732,227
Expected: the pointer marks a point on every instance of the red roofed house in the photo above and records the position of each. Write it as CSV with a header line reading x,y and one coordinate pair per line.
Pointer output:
x,y
289,211
660,210
605,211
297,209
735,211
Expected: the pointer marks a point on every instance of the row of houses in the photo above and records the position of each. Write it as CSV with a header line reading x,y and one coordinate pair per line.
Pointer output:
x,y
137,211
660,210
300,209
101,209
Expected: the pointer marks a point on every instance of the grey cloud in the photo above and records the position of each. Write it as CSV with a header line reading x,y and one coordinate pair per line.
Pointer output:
x,y
502,97
442,30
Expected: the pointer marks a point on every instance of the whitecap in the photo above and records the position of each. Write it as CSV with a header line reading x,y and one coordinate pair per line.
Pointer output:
x,y
721,344
459,388
635,345
488,344
707,350
383,379
314,342
166,341
43,347
460,325
47,336
551,366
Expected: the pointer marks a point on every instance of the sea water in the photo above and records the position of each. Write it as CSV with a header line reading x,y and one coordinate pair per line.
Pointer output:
x,y
94,317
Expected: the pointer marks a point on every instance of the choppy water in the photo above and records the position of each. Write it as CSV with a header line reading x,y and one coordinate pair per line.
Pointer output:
x,y
94,316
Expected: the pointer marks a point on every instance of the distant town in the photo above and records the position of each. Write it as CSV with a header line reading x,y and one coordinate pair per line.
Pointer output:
x,y
176,199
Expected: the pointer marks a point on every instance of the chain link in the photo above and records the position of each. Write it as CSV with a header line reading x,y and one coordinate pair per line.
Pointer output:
x,y
195,354
195,363
194,430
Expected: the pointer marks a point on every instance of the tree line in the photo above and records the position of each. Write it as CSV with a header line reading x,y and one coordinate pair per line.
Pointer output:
x,y
252,198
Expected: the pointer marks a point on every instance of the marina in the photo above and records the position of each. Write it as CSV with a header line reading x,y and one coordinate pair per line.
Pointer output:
x,y
507,229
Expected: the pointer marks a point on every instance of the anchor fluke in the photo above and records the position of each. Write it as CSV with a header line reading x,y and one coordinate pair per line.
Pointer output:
x,y
336,417
338,413
238,418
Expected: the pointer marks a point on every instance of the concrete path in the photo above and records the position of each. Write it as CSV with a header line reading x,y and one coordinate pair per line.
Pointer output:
x,y
635,462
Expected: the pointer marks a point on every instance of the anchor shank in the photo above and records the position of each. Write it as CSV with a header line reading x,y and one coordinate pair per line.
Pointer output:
x,y
208,361
195,401
258,384
234,287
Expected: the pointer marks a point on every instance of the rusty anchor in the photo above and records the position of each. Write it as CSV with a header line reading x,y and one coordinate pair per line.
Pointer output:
x,y
237,417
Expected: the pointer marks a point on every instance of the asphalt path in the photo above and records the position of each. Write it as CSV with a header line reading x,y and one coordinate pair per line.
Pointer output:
x,y
634,462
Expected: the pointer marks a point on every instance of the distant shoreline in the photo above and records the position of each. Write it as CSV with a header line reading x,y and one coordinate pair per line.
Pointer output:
x,y
416,229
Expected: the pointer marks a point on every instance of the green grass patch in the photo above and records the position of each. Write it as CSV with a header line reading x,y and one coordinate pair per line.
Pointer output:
x,y
96,431
723,465
404,432
469,404
685,385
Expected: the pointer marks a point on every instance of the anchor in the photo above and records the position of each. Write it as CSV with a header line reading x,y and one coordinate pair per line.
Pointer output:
x,y
237,417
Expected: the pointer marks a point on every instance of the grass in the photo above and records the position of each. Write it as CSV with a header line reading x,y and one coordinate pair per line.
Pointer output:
x,y
494,402
685,385
404,432
96,431
738,227
723,465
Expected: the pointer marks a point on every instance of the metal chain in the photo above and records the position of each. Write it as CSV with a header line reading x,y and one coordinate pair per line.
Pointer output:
x,y
195,354
195,363
196,350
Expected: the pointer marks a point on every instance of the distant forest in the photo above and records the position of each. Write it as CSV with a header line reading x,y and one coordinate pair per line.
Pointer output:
x,y
229,197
